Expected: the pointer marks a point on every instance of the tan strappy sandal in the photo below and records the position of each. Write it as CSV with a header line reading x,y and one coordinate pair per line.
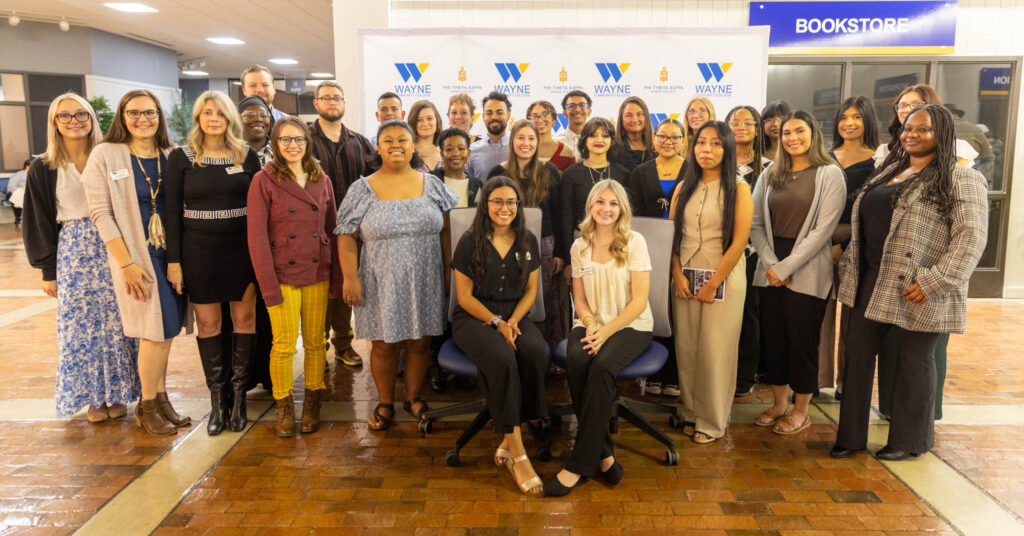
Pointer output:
x,y
531,483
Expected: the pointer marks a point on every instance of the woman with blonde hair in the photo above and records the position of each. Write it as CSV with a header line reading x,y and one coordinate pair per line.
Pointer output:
x,y
611,272
97,362
123,182
698,110
207,256
425,121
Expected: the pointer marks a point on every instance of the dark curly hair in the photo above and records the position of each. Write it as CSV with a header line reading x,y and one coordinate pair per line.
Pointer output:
x,y
936,179
482,231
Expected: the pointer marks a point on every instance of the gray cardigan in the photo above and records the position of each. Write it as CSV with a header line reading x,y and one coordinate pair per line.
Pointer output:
x,y
810,263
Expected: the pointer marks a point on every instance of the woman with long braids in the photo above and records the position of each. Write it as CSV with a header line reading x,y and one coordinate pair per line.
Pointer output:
x,y
748,131
918,230
497,270
713,210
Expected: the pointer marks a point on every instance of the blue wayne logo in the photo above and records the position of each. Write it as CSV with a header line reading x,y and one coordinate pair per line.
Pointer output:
x,y
713,70
511,71
561,122
411,72
612,71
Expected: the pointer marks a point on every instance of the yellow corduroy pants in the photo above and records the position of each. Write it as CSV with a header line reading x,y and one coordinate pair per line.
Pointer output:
x,y
305,306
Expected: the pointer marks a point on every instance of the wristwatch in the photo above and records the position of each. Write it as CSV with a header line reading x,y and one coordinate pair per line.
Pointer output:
x,y
496,321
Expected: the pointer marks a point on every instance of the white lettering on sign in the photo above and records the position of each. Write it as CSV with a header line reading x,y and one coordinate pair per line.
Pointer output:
x,y
852,25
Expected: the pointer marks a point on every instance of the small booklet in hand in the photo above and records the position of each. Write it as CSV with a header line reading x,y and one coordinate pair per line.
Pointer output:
x,y
698,277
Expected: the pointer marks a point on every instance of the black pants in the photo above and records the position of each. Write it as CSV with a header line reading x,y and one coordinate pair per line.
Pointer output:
x,y
750,333
912,427
791,329
512,380
592,382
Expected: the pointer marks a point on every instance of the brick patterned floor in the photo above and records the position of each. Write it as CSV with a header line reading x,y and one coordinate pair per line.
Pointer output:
x,y
347,480
992,457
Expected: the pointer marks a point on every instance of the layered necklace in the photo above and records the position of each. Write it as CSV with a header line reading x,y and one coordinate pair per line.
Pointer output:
x,y
602,173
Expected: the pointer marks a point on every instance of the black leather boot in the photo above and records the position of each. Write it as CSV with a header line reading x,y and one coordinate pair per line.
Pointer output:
x,y
241,363
215,366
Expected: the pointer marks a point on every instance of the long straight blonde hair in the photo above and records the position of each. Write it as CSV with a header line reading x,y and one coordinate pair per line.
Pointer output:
x,y
620,243
232,134
56,155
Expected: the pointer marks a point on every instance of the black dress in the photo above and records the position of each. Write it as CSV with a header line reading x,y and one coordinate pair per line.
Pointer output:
x,y
512,380
206,224
577,181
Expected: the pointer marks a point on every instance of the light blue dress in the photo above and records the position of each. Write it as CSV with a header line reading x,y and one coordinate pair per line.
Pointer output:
x,y
400,264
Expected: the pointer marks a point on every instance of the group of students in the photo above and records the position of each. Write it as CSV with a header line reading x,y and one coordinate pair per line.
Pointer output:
x,y
258,223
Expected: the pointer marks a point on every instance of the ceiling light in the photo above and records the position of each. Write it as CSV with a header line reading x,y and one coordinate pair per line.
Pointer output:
x,y
130,7
14,19
321,75
225,41
190,72
283,61
64,25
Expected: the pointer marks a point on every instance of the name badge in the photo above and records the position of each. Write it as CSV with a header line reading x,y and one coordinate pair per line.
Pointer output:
x,y
119,174
528,256
234,169
585,270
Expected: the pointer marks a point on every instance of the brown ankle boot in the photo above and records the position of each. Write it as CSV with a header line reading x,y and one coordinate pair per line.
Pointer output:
x,y
149,416
286,417
168,410
311,411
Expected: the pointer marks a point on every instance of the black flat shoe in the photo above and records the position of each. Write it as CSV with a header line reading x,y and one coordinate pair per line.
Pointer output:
x,y
890,454
614,473
554,488
841,452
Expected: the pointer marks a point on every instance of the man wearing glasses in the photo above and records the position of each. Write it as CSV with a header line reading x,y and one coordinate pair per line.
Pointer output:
x,y
576,107
342,154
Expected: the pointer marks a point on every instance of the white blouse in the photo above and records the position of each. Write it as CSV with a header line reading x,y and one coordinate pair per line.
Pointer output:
x,y
71,203
607,287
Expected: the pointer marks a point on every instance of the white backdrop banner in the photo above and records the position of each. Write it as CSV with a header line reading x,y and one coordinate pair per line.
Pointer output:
x,y
664,66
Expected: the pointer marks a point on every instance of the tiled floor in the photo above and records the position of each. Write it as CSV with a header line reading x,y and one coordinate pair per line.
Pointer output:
x,y
55,475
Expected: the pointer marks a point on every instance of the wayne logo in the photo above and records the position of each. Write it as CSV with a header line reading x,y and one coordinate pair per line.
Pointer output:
x,y
411,74
612,74
713,73
658,118
561,123
511,74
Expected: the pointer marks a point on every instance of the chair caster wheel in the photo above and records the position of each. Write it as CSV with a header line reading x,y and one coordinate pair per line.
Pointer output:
x,y
426,426
544,424
671,457
452,458
675,422
544,454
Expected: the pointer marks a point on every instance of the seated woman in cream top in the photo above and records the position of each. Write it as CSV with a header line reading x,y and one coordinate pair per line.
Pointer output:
x,y
611,278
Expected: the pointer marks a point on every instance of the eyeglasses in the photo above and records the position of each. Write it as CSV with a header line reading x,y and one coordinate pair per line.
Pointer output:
x,y
255,115
581,106
541,115
65,118
696,112
331,100
134,114
923,131
496,204
904,107
661,138
742,124
297,140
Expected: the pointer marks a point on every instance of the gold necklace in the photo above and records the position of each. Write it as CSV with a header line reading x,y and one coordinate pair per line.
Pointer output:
x,y
156,228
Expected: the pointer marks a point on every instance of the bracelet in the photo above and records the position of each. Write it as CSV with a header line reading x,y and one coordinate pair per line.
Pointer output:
x,y
127,265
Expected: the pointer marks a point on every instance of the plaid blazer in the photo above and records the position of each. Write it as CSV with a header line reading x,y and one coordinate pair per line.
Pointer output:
x,y
922,246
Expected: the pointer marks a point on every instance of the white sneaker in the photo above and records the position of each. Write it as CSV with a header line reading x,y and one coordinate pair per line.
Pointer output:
x,y
670,390
653,388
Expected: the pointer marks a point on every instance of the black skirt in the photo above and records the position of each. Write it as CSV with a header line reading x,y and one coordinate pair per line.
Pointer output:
x,y
216,267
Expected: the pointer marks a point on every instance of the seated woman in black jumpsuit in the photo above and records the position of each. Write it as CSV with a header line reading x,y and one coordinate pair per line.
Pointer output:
x,y
497,267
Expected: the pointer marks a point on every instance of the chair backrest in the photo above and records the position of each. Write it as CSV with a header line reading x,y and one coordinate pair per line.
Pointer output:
x,y
461,219
659,233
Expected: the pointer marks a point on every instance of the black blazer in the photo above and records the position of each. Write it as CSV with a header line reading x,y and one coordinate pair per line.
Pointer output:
x,y
39,226
471,189
648,197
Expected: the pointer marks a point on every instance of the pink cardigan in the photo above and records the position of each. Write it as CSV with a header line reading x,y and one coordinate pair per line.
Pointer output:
x,y
291,234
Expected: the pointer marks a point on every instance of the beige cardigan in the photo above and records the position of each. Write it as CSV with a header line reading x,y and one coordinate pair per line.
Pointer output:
x,y
114,208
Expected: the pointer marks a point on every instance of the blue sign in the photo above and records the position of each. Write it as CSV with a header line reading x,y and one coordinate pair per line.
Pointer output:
x,y
866,27
995,81
888,88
